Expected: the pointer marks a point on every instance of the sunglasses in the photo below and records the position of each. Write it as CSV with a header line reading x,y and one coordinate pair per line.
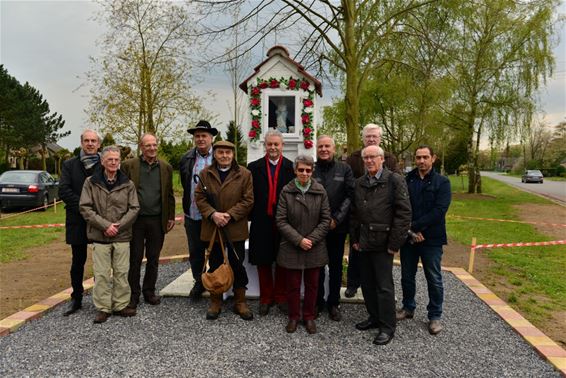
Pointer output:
x,y
303,170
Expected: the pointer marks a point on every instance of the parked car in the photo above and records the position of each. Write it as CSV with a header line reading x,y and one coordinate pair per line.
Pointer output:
x,y
532,176
28,189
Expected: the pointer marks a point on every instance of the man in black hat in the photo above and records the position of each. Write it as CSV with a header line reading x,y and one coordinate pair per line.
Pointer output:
x,y
192,163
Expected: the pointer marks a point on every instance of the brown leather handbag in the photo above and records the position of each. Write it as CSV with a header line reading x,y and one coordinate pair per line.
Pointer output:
x,y
222,278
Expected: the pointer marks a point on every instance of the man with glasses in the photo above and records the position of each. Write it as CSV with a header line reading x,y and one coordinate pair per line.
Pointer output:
x,y
153,179
371,136
380,220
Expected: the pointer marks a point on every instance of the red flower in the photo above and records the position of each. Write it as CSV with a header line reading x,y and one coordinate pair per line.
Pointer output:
x,y
255,91
255,101
292,84
255,124
304,85
307,103
252,134
274,83
307,131
305,118
308,143
263,84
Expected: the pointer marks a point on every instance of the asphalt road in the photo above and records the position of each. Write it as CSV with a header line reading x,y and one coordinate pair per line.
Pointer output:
x,y
555,190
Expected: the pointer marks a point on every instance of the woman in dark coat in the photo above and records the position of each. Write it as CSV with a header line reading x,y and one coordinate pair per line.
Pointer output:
x,y
303,219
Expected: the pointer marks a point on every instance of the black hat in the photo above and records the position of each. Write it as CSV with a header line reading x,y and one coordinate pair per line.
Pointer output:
x,y
203,126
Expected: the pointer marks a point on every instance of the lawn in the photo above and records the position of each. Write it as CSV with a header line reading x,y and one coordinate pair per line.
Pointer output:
x,y
534,274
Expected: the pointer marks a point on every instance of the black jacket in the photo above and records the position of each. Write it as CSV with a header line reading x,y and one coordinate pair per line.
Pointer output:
x,y
73,176
264,236
186,166
430,201
381,213
338,180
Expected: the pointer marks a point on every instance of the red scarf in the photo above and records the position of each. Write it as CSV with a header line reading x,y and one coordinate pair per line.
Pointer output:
x,y
272,194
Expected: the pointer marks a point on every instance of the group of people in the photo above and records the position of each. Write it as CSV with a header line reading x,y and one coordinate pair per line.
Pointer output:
x,y
300,215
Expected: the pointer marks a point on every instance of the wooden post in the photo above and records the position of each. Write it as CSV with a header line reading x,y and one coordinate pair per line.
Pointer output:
x,y
55,205
472,256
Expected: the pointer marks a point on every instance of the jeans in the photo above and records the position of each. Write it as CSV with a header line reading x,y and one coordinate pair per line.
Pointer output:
x,y
431,257
196,248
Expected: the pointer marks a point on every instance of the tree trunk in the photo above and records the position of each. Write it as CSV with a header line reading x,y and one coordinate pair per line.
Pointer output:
x,y
352,78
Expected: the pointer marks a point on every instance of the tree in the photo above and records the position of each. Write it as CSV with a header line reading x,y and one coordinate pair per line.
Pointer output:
x,y
500,51
234,135
341,38
142,83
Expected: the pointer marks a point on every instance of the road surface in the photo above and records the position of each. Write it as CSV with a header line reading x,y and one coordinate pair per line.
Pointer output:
x,y
555,190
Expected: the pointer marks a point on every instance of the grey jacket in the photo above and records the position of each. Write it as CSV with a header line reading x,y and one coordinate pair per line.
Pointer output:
x,y
381,213
101,207
302,216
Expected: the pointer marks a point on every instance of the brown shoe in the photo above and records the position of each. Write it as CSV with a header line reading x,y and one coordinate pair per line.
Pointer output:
x,y
214,307
434,327
101,317
240,306
403,314
310,325
126,312
291,326
152,299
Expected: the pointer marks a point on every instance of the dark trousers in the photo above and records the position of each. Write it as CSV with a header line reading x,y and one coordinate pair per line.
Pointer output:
x,y
353,273
335,246
217,258
147,234
78,269
431,257
196,248
294,277
376,268
272,286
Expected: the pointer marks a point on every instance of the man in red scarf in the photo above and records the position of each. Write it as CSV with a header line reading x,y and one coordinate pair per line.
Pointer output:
x,y
270,174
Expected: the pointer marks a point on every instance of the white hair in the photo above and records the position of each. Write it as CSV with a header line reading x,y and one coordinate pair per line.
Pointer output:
x,y
379,150
91,131
371,126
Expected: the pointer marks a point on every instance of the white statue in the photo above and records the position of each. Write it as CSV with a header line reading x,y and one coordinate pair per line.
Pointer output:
x,y
281,114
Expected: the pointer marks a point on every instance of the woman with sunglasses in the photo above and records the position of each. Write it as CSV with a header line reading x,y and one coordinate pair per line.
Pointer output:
x,y
303,219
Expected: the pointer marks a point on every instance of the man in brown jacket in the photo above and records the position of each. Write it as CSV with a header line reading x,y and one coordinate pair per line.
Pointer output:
x,y
109,205
153,179
371,136
226,203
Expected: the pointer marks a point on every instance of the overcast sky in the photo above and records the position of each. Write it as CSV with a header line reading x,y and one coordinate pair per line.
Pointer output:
x,y
48,44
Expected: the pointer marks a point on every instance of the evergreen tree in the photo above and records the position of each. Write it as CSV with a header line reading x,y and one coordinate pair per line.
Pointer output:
x,y
234,135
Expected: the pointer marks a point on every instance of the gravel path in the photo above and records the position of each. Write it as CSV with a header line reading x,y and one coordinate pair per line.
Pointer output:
x,y
174,339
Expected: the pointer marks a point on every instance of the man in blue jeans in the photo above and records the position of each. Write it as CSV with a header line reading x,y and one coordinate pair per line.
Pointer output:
x,y
430,198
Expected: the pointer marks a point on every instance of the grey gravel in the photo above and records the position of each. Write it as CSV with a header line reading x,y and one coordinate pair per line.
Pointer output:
x,y
175,339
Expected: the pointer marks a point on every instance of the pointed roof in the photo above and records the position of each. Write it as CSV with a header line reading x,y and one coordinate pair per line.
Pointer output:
x,y
283,53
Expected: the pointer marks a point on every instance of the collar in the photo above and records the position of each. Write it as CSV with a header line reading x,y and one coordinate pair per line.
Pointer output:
x,y
201,155
274,162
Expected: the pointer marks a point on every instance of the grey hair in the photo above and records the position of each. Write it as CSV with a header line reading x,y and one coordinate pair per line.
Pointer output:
x,y
379,151
326,136
146,134
303,159
108,149
91,131
271,133
371,126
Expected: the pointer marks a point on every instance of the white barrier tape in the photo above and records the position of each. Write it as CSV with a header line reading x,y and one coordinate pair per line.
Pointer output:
x,y
508,221
53,225
530,244
29,211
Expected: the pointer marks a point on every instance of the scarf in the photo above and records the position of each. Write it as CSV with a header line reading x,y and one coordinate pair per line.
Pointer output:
x,y
272,193
89,161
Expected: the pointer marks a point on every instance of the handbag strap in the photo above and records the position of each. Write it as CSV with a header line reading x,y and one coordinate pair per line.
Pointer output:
x,y
215,235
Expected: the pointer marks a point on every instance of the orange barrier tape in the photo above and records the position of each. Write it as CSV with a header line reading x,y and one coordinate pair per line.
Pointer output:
x,y
508,221
530,244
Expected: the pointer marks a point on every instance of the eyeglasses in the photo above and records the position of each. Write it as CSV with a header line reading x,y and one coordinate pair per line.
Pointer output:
x,y
303,170
370,157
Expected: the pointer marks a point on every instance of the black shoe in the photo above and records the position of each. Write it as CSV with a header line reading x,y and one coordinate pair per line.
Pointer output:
x,y
74,306
334,313
350,292
365,325
152,299
264,309
283,308
196,292
382,338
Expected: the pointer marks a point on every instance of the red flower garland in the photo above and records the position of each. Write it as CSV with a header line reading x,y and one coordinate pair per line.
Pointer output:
x,y
292,84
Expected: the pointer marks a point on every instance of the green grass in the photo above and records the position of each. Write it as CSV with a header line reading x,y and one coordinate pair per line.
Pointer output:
x,y
535,274
14,243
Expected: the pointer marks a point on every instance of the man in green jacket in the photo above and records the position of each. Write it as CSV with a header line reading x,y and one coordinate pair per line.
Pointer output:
x,y
153,179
